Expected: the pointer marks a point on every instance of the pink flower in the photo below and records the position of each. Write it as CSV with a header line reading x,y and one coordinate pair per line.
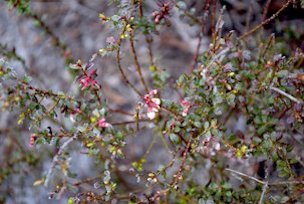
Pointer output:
x,y
163,12
152,103
88,80
186,106
76,110
103,124
33,139
74,113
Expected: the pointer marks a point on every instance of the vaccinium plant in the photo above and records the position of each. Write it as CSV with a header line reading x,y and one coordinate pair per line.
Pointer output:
x,y
231,134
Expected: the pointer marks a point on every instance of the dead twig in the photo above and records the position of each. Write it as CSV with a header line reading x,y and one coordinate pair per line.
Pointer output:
x,y
277,183
266,21
285,94
56,158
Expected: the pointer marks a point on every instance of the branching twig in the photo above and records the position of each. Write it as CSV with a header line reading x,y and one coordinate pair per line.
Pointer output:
x,y
13,54
277,183
56,158
216,57
182,166
263,192
245,175
121,70
266,21
56,40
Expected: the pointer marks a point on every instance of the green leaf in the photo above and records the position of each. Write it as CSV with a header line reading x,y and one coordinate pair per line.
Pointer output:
x,y
226,185
26,79
262,130
197,124
71,201
206,125
231,99
174,138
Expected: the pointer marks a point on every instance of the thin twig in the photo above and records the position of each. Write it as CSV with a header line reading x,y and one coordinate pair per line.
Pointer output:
x,y
141,12
285,94
271,39
149,41
121,70
131,122
138,67
56,158
44,92
54,106
190,15
263,192
88,180
123,112
56,40
220,55
266,8
12,54
148,37
179,173
245,175
266,21
195,57
265,186
277,183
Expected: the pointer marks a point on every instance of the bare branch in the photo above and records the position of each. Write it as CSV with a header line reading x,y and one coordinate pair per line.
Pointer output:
x,y
219,57
55,159
266,21
245,175
263,192
277,183
285,94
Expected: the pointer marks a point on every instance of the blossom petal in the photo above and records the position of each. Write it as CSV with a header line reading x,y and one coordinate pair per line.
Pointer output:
x,y
156,100
151,115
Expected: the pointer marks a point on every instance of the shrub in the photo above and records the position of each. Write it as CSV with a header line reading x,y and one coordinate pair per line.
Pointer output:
x,y
227,128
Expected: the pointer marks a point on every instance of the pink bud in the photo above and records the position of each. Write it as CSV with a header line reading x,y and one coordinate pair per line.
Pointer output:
x,y
103,124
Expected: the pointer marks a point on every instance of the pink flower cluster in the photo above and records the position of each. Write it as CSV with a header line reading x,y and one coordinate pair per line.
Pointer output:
x,y
102,123
186,106
163,12
153,104
88,80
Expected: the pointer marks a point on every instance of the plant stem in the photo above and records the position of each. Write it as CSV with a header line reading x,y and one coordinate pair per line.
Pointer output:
x,y
266,21
122,72
285,94
56,158
138,67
